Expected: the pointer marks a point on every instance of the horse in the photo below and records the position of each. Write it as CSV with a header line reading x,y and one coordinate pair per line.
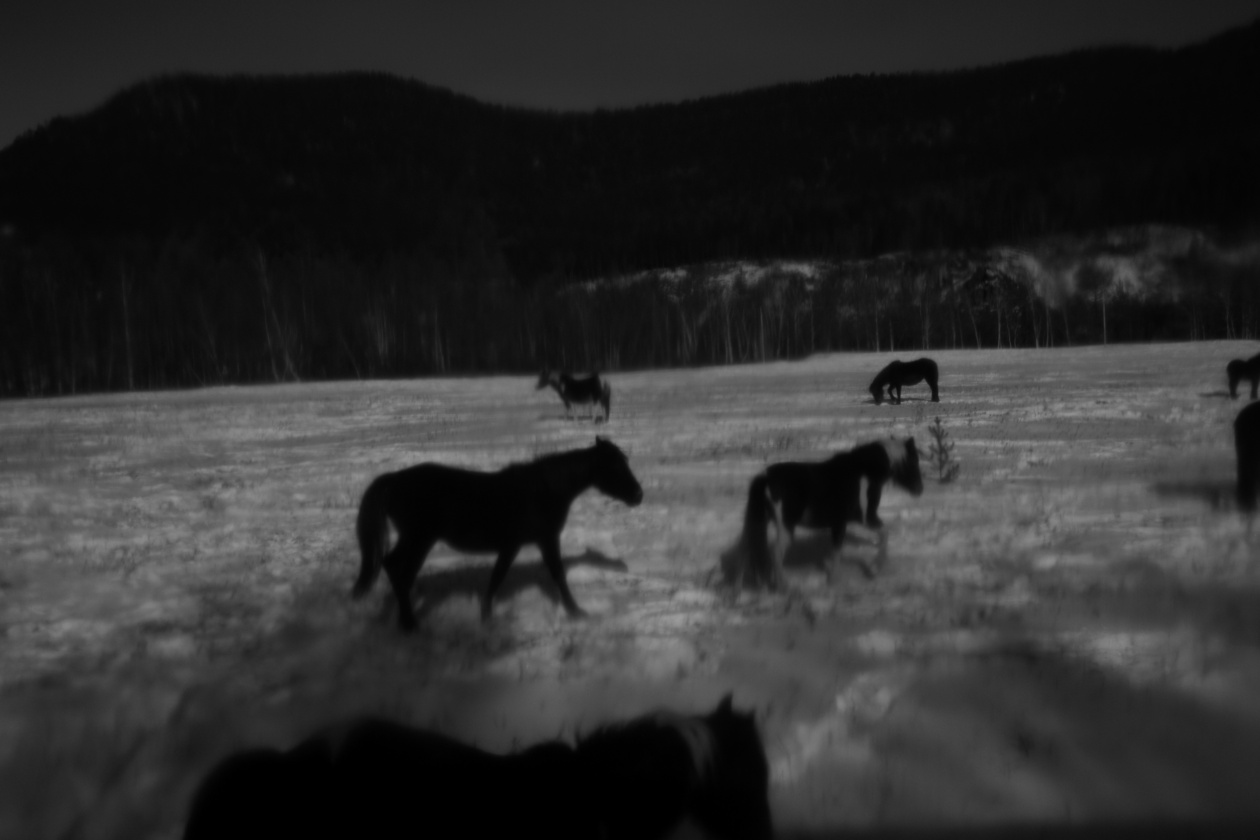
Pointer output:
x,y
1247,450
375,778
482,512
370,777
585,391
263,793
898,373
1237,370
652,772
823,495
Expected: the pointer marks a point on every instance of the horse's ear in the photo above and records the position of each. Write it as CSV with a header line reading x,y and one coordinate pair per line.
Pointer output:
x,y
600,439
724,707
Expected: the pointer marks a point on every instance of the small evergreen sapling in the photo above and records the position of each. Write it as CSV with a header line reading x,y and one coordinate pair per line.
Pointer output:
x,y
941,453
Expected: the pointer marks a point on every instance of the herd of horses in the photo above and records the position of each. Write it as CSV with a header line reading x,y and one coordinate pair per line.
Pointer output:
x,y
636,779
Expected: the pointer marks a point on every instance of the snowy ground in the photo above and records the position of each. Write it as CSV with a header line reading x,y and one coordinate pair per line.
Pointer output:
x,y
1068,633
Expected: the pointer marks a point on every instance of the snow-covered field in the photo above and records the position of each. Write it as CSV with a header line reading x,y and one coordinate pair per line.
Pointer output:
x,y
1069,632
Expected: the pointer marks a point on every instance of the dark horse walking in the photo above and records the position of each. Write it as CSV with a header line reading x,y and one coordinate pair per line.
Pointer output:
x,y
1238,370
585,391
899,373
479,512
826,495
1247,448
372,778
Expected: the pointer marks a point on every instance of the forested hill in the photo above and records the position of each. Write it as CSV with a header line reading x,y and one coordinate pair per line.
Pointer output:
x,y
197,230
366,166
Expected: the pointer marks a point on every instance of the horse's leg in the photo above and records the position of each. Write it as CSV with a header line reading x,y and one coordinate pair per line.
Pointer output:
x,y
874,491
837,542
1254,383
402,565
936,397
783,541
551,556
881,556
497,574
783,538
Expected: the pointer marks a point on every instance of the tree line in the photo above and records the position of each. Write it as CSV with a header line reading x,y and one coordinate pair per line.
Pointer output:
x,y
170,319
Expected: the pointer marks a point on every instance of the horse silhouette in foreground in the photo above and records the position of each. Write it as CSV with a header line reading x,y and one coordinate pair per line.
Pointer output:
x,y
1238,370
824,495
899,373
480,512
1247,448
372,778
590,390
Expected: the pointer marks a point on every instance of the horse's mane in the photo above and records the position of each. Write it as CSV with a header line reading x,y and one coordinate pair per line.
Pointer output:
x,y
896,450
548,458
893,448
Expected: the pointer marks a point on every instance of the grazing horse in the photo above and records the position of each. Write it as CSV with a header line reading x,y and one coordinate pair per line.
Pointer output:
x,y
899,373
825,495
372,778
478,512
1247,449
586,391
1238,370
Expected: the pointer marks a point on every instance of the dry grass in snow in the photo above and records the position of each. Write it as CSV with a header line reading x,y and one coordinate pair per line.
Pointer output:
x,y
1069,632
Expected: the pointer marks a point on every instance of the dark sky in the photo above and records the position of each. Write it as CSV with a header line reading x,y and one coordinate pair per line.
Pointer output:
x,y
67,56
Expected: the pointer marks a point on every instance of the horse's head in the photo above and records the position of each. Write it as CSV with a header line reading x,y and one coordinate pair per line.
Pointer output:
x,y
905,470
612,473
877,391
651,772
733,795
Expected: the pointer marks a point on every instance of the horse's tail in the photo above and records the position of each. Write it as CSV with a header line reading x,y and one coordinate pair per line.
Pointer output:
x,y
605,399
372,529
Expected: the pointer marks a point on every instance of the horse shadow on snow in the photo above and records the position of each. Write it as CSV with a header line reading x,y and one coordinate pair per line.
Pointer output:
x,y
1219,494
434,588
811,549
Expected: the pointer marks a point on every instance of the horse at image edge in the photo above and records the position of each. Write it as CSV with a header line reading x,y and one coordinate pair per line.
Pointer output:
x,y
482,512
1238,370
1247,450
373,778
